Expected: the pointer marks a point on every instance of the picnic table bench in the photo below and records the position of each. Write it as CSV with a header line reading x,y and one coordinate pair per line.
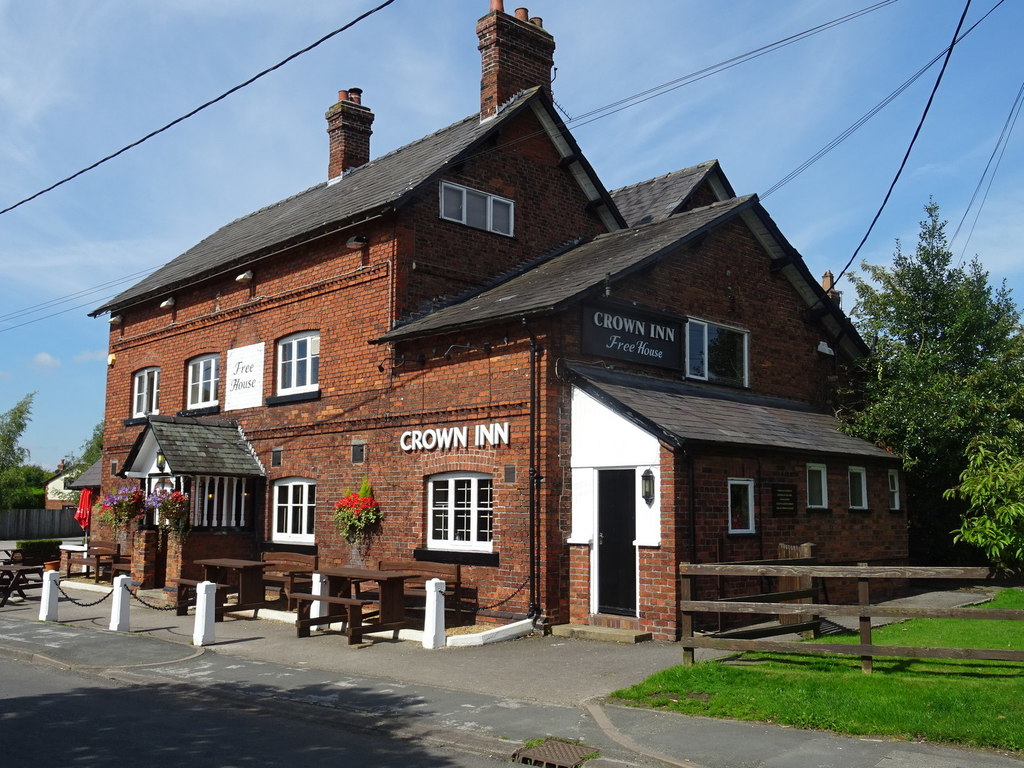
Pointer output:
x,y
351,615
181,602
15,579
422,572
286,570
98,557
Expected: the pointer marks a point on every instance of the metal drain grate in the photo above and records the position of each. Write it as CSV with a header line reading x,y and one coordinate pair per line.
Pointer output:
x,y
554,754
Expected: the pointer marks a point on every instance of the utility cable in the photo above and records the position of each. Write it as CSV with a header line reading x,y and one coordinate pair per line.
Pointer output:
x,y
200,108
913,140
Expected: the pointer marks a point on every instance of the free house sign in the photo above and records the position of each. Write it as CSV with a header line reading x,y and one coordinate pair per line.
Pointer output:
x,y
633,334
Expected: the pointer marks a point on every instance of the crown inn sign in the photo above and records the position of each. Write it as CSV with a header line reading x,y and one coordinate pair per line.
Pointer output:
x,y
633,334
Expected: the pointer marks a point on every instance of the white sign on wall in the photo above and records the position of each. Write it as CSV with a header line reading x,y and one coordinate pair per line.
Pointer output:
x,y
243,378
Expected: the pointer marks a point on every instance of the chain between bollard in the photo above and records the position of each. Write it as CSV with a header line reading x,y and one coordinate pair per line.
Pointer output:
x,y
152,606
78,602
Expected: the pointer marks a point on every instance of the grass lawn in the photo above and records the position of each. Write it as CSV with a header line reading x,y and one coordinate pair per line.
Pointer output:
x,y
973,703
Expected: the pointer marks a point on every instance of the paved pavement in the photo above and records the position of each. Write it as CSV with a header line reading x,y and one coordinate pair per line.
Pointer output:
x,y
486,698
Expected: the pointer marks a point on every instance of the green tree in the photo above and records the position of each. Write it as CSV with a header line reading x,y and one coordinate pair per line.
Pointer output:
x,y
12,426
946,365
92,449
21,487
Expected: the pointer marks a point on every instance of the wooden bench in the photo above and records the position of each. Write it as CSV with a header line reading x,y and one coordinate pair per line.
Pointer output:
x,y
285,569
416,587
181,603
352,615
100,555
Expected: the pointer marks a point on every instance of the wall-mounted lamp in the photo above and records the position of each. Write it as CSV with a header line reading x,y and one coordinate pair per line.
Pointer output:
x,y
356,242
115,319
647,487
161,461
825,349
245,277
167,303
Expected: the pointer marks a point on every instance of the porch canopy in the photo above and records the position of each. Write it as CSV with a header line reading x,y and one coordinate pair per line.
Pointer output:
x,y
190,446
684,414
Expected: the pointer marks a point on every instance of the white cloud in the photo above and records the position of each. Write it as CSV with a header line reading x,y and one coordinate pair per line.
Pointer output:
x,y
44,361
90,355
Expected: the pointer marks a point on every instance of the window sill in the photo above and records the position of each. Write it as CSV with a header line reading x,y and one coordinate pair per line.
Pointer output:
x,y
859,510
455,557
819,510
208,410
743,534
298,397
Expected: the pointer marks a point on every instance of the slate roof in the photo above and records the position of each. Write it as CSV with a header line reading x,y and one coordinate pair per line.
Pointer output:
x,y
658,198
560,280
199,446
90,478
685,414
382,183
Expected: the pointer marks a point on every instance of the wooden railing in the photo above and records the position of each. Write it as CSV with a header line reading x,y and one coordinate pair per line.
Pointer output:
x,y
770,603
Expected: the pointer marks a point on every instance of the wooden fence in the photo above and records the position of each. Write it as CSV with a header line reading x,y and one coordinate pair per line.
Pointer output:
x,y
38,524
773,603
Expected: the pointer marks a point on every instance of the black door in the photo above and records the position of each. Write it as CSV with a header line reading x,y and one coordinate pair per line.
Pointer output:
x,y
616,530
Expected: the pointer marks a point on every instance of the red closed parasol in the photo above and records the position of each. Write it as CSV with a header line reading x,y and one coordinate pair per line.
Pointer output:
x,y
84,513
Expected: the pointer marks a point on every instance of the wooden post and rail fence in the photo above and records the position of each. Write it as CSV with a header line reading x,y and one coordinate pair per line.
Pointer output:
x,y
808,615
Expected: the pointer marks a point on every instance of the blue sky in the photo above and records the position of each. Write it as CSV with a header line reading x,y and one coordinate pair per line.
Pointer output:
x,y
79,80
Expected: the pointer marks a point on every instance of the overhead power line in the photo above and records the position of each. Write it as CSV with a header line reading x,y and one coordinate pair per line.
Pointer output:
x,y
200,108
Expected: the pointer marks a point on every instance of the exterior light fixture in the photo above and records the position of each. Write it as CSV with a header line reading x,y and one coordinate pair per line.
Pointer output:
x,y
167,303
161,461
115,319
245,277
356,242
647,486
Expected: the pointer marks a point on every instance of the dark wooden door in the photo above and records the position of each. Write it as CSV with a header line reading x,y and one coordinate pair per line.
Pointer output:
x,y
616,531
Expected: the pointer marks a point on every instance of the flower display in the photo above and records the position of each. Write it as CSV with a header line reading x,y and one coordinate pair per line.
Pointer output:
x,y
357,512
171,512
122,508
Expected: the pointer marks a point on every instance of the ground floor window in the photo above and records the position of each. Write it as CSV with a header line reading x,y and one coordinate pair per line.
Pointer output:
x,y
461,513
221,502
741,505
294,510
817,486
894,489
858,488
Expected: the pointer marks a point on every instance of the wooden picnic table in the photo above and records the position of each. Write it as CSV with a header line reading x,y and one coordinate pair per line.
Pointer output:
x,y
247,573
342,584
15,578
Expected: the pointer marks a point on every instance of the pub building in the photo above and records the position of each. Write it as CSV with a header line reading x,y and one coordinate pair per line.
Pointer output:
x,y
565,390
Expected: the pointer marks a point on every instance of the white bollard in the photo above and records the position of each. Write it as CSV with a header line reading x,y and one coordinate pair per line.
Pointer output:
x,y
48,604
433,625
206,613
318,609
119,609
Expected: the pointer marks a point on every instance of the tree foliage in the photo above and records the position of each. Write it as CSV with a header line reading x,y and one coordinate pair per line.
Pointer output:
x,y
21,487
12,426
91,450
946,365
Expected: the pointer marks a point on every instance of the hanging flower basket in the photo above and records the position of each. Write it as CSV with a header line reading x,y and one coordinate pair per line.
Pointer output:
x,y
172,512
357,514
124,509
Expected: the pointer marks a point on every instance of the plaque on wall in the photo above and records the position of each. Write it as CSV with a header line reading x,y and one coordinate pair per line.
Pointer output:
x,y
633,334
783,499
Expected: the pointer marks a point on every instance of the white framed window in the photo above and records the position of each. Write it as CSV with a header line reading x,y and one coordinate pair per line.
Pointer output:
x,y
817,486
741,505
298,363
894,489
461,511
146,392
716,353
202,381
294,510
477,209
221,502
858,488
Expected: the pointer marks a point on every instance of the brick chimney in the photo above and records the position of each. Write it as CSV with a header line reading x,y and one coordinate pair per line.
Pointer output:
x,y
348,126
515,52
828,283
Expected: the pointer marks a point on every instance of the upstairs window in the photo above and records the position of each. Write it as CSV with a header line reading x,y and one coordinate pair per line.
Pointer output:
x,y
461,513
858,488
716,353
298,363
477,209
146,392
202,382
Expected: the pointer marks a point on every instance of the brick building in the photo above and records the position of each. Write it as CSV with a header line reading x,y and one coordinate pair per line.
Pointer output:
x,y
565,390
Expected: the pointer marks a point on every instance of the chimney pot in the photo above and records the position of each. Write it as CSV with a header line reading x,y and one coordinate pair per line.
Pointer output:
x,y
355,95
523,14
498,5
342,95
537,21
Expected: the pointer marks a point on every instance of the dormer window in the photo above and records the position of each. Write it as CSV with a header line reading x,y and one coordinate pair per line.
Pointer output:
x,y
477,209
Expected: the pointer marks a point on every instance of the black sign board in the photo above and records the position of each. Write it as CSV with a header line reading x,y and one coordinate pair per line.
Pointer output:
x,y
784,499
636,335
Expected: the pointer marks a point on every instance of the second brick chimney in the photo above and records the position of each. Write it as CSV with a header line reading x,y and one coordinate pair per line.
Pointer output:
x,y
515,52
348,126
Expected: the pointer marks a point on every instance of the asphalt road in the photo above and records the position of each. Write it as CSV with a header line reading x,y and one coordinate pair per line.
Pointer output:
x,y
50,717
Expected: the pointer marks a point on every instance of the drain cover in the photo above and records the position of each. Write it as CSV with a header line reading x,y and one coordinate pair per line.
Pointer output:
x,y
553,754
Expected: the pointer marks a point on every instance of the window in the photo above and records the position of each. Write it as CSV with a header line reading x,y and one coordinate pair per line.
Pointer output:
x,y
741,505
298,363
894,489
477,209
716,353
221,502
858,488
817,486
146,392
294,510
202,382
461,512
